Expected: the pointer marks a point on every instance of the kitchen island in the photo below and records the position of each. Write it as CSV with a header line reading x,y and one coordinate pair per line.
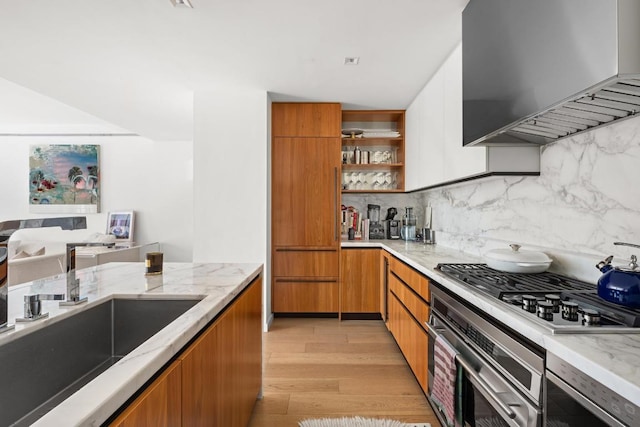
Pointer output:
x,y
216,286
611,359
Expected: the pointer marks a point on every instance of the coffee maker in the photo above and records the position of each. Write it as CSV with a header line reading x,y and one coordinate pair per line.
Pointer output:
x,y
393,225
376,229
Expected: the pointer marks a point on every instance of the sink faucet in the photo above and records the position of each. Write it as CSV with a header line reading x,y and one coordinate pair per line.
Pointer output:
x,y
73,284
33,306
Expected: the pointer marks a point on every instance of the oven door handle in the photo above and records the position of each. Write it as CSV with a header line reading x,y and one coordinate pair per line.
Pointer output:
x,y
492,394
471,371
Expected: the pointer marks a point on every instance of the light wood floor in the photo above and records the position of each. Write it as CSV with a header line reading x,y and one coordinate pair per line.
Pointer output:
x,y
316,368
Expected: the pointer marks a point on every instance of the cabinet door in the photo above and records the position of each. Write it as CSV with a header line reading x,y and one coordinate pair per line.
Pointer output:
x,y
411,338
159,405
360,281
222,369
306,119
305,192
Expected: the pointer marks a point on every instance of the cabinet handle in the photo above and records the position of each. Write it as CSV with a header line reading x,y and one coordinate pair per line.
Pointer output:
x,y
335,207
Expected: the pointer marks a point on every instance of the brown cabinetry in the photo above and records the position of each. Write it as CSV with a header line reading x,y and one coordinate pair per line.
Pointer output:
x,y
305,197
159,405
360,281
408,307
380,165
215,381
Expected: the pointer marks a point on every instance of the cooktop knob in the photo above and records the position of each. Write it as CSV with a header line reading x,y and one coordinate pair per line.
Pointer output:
x,y
555,300
545,310
569,310
590,317
529,303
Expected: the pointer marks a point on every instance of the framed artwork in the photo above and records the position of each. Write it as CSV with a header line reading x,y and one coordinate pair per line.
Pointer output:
x,y
120,224
64,179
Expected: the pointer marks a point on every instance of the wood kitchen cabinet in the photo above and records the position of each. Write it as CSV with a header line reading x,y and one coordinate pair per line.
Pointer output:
x,y
215,381
360,280
408,306
305,207
159,405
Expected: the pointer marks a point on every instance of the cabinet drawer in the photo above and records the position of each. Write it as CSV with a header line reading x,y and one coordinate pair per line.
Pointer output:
x,y
290,296
303,262
416,306
410,277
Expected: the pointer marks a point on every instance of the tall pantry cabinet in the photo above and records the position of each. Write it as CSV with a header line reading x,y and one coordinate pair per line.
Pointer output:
x,y
305,212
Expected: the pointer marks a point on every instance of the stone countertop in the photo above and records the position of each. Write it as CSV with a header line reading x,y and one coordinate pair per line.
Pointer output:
x,y
215,284
611,359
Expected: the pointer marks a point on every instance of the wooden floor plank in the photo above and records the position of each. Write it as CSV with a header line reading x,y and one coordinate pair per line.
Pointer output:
x,y
315,368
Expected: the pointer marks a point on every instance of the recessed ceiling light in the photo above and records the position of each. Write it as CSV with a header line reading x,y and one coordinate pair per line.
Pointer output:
x,y
182,3
351,60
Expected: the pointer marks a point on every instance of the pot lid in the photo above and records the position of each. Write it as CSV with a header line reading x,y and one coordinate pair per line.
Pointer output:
x,y
514,254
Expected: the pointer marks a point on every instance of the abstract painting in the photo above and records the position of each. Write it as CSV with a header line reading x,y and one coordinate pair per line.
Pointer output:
x,y
64,179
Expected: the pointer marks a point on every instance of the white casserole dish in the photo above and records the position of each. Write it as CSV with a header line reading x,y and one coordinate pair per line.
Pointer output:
x,y
516,261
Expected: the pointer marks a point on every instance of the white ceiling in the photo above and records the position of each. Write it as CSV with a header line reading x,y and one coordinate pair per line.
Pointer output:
x,y
136,63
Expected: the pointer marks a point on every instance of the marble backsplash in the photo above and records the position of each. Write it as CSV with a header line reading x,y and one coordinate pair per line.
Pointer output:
x,y
586,197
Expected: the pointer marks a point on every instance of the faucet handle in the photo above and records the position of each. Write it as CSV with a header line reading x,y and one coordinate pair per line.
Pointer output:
x,y
33,306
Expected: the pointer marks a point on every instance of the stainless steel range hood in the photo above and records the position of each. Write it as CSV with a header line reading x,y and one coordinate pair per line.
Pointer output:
x,y
535,71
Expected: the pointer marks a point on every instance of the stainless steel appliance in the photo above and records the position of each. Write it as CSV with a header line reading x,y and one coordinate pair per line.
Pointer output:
x,y
502,375
393,229
408,230
574,399
376,228
515,91
560,304
393,225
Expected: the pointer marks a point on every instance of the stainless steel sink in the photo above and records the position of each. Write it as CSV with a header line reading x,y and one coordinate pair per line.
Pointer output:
x,y
43,368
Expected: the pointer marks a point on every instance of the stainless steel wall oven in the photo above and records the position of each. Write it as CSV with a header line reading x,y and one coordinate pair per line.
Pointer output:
x,y
502,376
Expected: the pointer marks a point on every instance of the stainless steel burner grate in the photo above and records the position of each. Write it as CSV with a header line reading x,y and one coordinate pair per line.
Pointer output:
x,y
499,283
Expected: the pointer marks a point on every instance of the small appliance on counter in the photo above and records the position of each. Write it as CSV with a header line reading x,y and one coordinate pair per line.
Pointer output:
x,y
393,225
376,228
408,230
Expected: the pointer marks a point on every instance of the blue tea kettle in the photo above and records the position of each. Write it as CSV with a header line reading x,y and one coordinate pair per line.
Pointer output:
x,y
620,285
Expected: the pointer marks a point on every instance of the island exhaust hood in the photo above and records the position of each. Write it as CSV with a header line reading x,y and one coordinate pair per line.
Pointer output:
x,y
535,71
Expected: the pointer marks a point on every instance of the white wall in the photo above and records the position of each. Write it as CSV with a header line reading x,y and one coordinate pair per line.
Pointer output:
x,y
153,178
231,155
230,171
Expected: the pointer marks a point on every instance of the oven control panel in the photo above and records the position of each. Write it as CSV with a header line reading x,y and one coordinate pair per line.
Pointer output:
x,y
601,395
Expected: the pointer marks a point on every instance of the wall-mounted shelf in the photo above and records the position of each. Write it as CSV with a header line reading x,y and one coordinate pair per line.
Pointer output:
x,y
384,170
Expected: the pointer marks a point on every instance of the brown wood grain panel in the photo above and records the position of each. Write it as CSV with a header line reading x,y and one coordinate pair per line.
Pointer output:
x,y
290,296
159,405
305,200
360,280
384,273
222,369
414,304
415,280
306,119
302,262
412,339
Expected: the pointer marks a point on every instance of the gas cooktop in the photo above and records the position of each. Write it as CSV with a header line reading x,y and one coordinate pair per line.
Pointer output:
x,y
558,303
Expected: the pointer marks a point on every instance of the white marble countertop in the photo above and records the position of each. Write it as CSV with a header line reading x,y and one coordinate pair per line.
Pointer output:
x,y
611,359
215,284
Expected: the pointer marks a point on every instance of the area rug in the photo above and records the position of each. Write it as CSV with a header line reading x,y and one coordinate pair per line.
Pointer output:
x,y
357,422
